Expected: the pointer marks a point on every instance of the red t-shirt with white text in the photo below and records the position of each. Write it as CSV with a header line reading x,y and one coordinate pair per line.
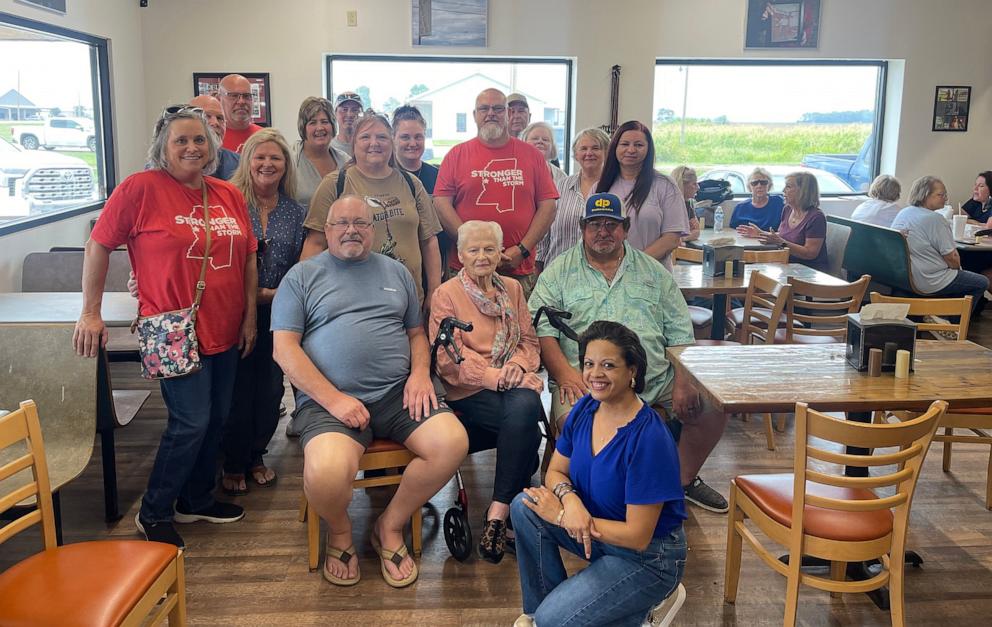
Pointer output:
x,y
501,185
234,139
161,221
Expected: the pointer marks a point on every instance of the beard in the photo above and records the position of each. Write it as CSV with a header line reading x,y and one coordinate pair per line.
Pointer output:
x,y
490,131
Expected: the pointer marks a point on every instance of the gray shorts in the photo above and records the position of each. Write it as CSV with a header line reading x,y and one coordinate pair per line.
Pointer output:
x,y
388,419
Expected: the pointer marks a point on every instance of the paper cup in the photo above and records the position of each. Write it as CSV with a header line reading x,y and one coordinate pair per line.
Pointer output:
x,y
958,224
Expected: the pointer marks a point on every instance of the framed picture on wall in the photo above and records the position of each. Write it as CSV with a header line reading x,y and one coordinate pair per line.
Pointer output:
x,y
55,6
207,84
950,108
449,22
782,24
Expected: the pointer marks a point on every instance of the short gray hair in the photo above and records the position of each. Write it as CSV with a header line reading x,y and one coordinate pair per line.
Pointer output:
x,y
921,188
885,187
160,137
474,226
551,133
760,171
594,133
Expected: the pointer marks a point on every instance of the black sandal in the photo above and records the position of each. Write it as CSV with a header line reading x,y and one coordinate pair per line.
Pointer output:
x,y
493,541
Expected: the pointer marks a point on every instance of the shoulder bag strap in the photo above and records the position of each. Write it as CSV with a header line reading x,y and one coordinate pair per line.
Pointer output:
x,y
201,284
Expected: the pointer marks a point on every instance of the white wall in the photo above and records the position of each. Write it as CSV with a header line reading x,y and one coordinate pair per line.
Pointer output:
x,y
933,43
118,21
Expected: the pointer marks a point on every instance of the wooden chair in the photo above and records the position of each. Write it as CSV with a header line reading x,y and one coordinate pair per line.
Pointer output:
x,y
817,314
943,307
113,582
831,516
762,313
702,318
684,253
780,255
380,455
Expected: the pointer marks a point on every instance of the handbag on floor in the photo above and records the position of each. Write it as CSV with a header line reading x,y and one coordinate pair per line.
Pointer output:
x,y
167,341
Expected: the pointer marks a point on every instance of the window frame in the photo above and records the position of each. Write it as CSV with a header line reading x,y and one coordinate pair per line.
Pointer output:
x,y
568,62
880,92
103,123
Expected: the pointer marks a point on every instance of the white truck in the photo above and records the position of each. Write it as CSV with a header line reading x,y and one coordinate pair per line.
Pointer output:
x,y
56,133
32,183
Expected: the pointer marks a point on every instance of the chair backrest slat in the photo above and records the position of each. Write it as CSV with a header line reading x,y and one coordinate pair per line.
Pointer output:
x,y
684,253
780,255
856,505
843,481
24,424
821,310
960,307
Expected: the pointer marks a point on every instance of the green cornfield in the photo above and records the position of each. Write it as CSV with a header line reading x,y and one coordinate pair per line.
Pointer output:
x,y
710,143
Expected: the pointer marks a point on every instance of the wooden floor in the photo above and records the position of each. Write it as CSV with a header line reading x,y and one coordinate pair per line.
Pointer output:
x,y
255,572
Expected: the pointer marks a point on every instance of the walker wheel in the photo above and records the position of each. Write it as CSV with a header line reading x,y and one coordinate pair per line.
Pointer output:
x,y
457,534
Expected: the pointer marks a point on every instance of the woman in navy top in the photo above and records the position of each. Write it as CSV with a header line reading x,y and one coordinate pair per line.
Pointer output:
x,y
612,495
762,210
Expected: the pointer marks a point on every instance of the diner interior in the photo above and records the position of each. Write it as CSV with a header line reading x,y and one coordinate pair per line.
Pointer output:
x,y
616,60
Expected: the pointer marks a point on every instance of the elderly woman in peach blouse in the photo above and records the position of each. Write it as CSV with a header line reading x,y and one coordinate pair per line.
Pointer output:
x,y
495,390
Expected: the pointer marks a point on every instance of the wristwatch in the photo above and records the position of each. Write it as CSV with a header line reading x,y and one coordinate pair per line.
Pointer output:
x,y
523,250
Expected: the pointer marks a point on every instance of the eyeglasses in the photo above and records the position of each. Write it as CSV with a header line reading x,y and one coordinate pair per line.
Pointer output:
x,y
486,109
759,182
606,224
236,96
342,225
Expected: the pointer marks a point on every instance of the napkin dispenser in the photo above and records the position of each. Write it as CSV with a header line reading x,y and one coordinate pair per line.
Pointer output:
x,y
715,258
888,336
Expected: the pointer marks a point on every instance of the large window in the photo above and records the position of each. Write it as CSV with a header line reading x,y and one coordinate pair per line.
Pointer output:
x,y
444,89
725,117
55,157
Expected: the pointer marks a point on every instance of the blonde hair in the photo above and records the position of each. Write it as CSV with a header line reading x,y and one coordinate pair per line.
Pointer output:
x,y
885,187
809,190
242,176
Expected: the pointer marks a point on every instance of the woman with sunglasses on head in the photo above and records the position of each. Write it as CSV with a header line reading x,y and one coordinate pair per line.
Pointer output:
x,y
763,210
406,225
612,495
267,179
314,157
654,202
160,214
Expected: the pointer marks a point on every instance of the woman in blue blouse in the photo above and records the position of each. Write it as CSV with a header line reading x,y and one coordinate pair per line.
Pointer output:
x,y
762,210
612,495
267,179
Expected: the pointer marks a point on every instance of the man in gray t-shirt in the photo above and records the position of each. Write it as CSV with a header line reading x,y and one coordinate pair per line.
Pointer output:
x,y
347,332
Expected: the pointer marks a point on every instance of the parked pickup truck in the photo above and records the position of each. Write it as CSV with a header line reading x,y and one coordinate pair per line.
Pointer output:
x,y
56,133
38,182
855,170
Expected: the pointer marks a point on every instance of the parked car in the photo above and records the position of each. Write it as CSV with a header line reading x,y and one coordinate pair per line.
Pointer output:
x,y
855,170
38,182
737,175
56,133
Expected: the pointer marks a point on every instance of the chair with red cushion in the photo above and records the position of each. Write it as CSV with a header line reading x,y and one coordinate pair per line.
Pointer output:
x,y
112,582
818,511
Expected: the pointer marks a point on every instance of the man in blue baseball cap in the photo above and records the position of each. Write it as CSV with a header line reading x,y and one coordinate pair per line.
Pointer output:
x,y
603,277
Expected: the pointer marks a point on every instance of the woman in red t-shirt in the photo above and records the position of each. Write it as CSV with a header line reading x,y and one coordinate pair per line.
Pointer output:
x,y
159,215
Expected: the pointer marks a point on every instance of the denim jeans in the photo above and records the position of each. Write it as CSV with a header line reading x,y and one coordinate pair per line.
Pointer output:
x,y
964,284
254,413
618,587
507,421
185,466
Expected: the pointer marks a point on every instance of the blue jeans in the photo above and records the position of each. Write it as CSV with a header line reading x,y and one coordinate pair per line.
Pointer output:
x,y
964,284
186,463
619,586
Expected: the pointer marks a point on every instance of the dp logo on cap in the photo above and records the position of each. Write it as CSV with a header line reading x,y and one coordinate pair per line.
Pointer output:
x,y
605,206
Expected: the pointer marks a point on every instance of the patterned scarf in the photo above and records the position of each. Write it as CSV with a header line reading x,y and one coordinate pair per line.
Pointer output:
x,y
507,326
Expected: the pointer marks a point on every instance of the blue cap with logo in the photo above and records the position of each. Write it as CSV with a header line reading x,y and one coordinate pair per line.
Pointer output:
x,y
604,206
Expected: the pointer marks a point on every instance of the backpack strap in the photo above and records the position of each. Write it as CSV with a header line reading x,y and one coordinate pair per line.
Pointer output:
x,y
342,175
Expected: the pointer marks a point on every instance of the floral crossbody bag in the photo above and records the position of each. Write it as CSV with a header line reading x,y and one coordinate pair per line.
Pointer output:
x,y
167,341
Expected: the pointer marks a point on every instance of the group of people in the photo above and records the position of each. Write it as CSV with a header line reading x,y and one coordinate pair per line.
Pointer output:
x,y
334,262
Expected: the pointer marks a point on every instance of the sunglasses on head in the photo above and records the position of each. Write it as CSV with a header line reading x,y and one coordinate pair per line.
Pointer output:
x,y
180,108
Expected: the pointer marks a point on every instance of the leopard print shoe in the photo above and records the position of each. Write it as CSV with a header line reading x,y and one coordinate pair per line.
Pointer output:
x,y
493,541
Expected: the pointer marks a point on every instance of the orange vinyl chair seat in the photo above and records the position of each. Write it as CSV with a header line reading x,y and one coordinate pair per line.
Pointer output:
x,y
773,495
88,584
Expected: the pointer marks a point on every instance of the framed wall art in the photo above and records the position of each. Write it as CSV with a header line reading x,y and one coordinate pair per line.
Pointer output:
x,y
782,24
449,22
207,84
950,108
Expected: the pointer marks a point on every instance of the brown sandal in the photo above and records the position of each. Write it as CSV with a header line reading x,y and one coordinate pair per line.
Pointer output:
x,y
344,557
258,476
234,478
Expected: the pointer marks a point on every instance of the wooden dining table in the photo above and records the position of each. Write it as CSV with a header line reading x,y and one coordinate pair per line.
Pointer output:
x,y
693,282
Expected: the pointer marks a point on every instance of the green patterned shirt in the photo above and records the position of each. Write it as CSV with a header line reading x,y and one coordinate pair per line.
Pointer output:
x,y
643,296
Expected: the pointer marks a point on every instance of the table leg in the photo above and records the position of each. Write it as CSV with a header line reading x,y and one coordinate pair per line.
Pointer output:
x,y
111,507
718,329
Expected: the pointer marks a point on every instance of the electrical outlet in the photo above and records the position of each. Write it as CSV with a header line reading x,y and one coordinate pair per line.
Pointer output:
x,y
352,18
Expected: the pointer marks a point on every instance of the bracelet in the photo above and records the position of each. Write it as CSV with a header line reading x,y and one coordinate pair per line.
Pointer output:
x,y
566,492
561,514
564,484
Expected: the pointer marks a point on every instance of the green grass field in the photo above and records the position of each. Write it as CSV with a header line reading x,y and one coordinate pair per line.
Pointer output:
x,y
707,144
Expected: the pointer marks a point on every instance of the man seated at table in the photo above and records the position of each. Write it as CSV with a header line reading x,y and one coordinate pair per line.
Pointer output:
x,y
604,278
348,334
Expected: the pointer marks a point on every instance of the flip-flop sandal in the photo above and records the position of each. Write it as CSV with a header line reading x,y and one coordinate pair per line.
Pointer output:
x,y
396,557
234,478
259,471
344,557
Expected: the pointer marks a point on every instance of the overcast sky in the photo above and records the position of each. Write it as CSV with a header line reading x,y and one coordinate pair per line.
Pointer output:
x,y
52,74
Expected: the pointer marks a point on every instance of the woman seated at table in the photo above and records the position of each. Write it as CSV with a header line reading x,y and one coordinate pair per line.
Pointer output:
x,y
496,390
762,210
881,208
979,206
803,229
936,264
685,178
612,495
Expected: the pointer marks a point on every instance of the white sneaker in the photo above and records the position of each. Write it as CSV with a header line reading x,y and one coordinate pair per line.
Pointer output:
x,y
664,613
524,620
